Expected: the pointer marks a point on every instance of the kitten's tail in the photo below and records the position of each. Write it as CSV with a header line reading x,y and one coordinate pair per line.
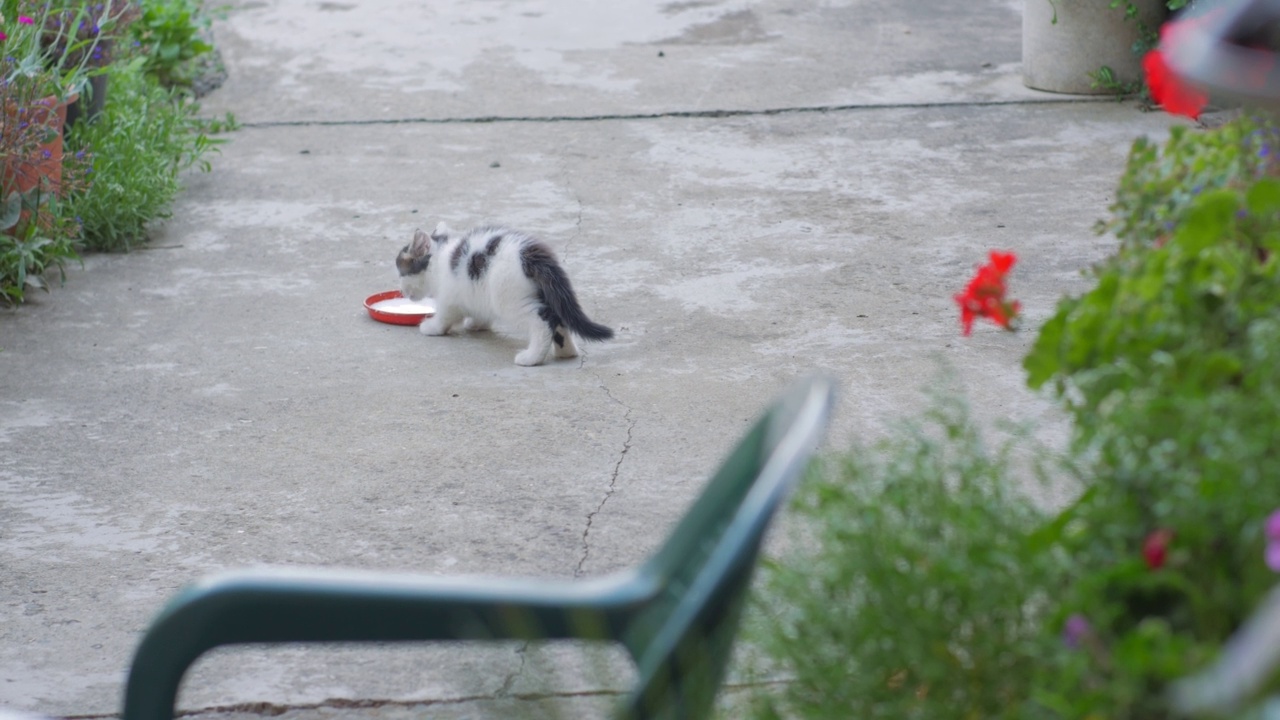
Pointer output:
x,y
557,293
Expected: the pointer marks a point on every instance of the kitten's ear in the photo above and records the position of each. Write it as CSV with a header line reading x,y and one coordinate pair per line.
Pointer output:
x,y
421,244
441,233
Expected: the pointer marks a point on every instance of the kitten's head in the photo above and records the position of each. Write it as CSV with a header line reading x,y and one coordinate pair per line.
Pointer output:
x,y
413,260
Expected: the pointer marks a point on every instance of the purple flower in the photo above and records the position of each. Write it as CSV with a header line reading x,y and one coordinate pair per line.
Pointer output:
x,y
1272,556
1272,532
1272,528
1075,630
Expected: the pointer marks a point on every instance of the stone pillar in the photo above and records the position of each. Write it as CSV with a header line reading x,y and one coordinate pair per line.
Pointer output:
x,y
1058,57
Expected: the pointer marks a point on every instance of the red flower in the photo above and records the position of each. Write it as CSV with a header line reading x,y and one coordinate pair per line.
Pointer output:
x,y
1156,548
984,295
1167,89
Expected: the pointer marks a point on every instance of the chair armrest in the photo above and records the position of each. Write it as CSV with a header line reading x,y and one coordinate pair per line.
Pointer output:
x,y
292,605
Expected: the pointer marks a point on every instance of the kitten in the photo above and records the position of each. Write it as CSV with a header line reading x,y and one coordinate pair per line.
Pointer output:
x,y
493,274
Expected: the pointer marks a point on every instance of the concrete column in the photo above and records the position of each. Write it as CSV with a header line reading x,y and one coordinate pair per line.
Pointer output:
x,y
1058,57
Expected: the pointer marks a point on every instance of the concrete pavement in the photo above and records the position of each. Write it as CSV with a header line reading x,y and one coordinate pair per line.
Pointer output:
x,y
744,191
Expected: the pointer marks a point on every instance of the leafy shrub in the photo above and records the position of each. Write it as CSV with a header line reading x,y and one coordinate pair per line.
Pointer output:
x,y
131,155
145,136
1159,183
26,258
171,36
37,76
930,589
912,591
83,35
1169,368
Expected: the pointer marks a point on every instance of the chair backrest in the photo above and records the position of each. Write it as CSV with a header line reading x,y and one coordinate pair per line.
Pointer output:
x,y
682,640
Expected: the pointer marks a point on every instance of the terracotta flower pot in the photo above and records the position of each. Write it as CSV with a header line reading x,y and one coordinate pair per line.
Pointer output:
x,y
1088,34
40,168
45,162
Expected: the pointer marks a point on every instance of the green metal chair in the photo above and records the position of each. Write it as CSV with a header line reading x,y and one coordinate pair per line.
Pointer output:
x,y
676,614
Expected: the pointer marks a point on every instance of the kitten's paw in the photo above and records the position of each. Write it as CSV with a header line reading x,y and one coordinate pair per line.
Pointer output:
x,y
568,351
529,358
431,327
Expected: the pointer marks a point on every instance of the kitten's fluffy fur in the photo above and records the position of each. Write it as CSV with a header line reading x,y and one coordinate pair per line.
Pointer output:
x,y
496,274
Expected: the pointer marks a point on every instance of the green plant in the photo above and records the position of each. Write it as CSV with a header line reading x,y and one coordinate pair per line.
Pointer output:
x,y
37,76
1148,38
911,590
1169,369
1181,313
171,35
1160,182
37,235
83,34
27,255
145,137
1104,78
1147,35
920,585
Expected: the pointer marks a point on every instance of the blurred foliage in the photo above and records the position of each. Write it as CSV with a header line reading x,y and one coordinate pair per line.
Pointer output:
x,y
928,587
146,136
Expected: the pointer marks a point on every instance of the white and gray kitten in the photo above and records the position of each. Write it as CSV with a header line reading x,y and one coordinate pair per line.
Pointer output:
x,y
496,274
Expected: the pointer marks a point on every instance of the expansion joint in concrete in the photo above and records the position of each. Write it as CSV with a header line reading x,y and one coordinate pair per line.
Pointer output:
x,y
672,114
268,709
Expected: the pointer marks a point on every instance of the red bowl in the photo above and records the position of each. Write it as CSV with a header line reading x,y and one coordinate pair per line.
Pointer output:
x,y
394,318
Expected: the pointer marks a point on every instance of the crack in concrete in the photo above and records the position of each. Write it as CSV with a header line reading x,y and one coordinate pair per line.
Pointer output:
x,y
660,115
510,681
613,480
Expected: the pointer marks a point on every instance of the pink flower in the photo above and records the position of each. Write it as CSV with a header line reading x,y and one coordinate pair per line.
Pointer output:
x,y
3,36
26,20
1156,548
